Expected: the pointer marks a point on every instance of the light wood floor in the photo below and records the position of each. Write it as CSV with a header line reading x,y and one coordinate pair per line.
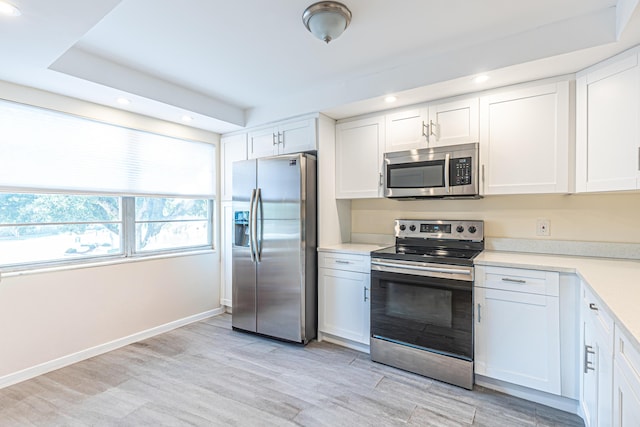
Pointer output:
x,y
205,374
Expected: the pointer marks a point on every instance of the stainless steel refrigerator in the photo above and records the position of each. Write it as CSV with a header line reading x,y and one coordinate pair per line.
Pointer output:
x,y
274,247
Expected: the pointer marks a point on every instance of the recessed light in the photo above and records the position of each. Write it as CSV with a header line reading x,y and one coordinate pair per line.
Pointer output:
x,y
123,101
8,9
186,118
480,79
390,99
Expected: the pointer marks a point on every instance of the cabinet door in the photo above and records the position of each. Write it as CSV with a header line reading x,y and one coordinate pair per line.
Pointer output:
x,y
517,338
454,122
597,369
227,266
233,148
607,134
359,146
263,142
343,304
626,399
525,144
298,136
406,130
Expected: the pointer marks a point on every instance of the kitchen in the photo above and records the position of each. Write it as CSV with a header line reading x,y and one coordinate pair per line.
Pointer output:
x,y
510,222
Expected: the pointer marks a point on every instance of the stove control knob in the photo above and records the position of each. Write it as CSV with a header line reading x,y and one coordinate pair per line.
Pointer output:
x,y
403,227
459,229
472,229
412,228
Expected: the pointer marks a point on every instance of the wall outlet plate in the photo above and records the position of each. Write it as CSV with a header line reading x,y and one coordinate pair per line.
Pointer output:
x,y
543,227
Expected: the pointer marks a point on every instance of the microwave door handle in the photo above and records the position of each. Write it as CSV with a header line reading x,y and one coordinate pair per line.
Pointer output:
x,y
446,173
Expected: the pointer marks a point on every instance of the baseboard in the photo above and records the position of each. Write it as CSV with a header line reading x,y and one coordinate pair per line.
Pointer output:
x,y
343,342
558,402
70,359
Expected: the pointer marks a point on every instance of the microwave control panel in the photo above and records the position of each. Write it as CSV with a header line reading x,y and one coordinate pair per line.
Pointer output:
x,y
460,171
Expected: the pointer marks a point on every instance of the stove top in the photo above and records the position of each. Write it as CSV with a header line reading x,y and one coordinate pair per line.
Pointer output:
x,y
435,241
431,255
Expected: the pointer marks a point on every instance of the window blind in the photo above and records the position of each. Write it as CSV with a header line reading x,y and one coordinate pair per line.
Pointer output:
x,y
42,149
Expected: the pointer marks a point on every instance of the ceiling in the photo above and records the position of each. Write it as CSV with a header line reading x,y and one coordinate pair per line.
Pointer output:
x,y
230,64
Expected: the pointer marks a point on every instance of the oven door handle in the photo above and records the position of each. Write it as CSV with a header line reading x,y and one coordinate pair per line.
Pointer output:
x,y
421,268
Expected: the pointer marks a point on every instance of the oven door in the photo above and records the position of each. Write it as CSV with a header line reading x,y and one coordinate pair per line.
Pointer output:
x,y
430,313
417,178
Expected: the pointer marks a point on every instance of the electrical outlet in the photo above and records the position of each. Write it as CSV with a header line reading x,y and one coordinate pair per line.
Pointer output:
x,y
543,227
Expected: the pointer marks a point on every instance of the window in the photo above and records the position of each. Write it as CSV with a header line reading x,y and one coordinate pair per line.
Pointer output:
x,y
37,228
73,189
169,223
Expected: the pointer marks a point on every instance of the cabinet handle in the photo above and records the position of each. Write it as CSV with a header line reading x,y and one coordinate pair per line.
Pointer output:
x,y
281,138
593,307
638,159
432,126
380,183
274,139
339,261
425,130
507,279
588,366
479,312
482,174
365,294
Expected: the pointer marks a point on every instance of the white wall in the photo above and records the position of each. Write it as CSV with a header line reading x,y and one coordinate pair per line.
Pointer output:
x,y
50,315
610,217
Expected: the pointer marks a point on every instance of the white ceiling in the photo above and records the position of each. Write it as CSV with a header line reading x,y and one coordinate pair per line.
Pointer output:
x,y
245,62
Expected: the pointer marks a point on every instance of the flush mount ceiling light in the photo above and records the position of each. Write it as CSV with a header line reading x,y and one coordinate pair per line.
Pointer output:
x,y
390,99
123,101
8,9
326,19
480,79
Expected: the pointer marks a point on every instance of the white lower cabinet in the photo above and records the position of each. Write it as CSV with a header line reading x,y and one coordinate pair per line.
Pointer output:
x,y
343,296
626,382
597,360
517,327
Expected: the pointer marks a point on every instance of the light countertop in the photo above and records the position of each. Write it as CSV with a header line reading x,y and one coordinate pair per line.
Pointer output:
x,y
615,281
351,248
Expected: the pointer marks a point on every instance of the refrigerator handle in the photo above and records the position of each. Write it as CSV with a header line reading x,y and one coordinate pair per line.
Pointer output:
x,y
258,225
252,225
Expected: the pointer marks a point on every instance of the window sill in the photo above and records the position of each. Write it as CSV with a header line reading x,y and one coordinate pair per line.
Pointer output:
x,y
102,263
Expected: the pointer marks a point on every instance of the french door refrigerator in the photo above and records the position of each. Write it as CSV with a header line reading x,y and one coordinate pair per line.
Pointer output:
x,y
274,247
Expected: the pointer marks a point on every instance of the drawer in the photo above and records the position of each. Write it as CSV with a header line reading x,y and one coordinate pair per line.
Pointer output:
x,y
344,261
593,308
627,357
518,280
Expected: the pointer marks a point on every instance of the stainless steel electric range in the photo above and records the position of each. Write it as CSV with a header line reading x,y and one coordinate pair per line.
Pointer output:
x,y
421,299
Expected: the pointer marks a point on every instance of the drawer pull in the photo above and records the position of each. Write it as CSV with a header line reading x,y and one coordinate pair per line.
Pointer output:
x,y
506,279
593,307
365,294
339,261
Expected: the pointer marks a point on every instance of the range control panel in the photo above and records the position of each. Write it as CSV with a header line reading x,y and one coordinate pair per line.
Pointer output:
x,y
440,229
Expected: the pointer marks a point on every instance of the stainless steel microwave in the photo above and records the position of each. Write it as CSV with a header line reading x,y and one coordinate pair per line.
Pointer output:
x,y
449,171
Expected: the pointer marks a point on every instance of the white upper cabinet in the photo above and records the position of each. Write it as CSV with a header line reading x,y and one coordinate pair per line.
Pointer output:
x,y
525,140
232,148
441,123
359,149
284,138
454,122
607,125
406,130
